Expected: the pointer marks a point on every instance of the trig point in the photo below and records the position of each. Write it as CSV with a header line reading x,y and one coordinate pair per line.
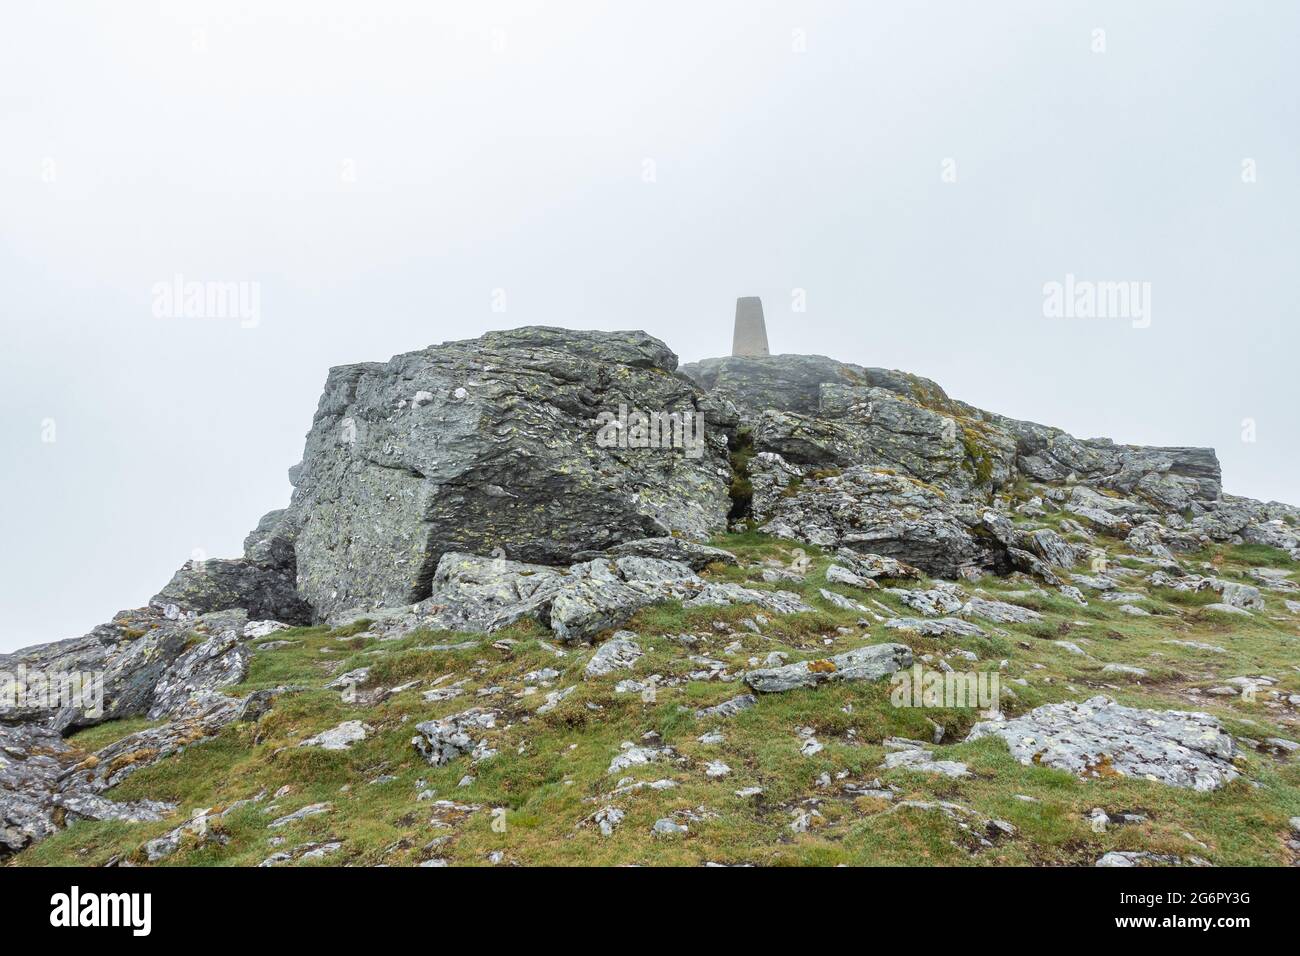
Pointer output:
x,y
750,337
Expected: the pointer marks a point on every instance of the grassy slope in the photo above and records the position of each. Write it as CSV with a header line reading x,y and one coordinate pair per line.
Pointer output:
x,y
551,771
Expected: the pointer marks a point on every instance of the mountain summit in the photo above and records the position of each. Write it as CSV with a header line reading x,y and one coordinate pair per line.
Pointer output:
x,y
469,519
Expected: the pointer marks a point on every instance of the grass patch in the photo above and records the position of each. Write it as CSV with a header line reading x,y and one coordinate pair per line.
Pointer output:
x,y
551,770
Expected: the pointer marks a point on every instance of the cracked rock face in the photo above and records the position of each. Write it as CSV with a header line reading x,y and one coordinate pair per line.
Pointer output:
x,y
871,512
31,761
492,444
197,674
837,413
1099,737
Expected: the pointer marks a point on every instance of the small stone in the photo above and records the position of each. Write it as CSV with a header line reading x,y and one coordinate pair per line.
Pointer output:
x,y
310,810
608,818
665,827
341,737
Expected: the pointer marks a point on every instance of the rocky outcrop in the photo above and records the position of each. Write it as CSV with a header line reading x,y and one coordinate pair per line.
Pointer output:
x,y
869,511
817,412
1174,479
1099,737
35,800
148,663
526,445
167,669
264,591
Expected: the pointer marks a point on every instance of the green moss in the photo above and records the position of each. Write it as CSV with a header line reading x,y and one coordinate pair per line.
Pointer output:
x,y
741,491
978,458
928,395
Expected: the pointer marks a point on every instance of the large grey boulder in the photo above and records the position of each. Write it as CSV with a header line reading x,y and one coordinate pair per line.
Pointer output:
x,y
1099,737
494,443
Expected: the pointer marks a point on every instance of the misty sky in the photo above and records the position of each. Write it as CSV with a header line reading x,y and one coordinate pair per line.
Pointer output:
x,y
380,173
